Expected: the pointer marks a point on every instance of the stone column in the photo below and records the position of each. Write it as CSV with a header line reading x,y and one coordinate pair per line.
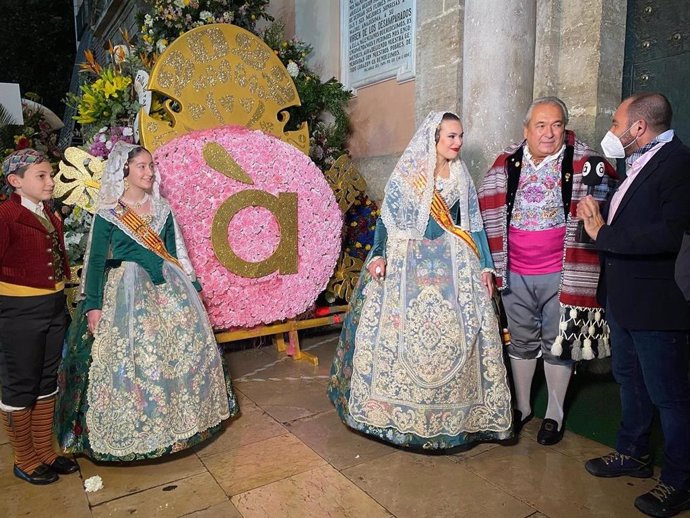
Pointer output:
x,y
498,77
439,56
321,21
580,46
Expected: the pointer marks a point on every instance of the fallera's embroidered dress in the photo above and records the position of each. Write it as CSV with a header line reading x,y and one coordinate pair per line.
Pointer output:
x,y
420,363
152,381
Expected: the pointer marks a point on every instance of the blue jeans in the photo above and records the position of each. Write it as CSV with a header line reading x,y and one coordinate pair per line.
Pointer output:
x,y
651,368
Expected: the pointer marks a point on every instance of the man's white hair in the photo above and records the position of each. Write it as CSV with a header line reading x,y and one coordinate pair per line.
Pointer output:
x,y
546,100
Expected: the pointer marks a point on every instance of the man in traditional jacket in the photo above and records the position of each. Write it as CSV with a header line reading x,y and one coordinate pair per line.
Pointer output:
x,y
546,267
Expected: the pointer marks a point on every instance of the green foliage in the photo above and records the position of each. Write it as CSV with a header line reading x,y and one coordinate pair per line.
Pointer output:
x,y
107,96
328,139
169,19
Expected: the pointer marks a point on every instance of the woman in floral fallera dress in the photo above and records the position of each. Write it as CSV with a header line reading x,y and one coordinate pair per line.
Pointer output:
x,y
420,362
142,375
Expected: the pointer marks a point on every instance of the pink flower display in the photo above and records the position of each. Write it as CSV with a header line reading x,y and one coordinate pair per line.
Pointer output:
x,y
196,191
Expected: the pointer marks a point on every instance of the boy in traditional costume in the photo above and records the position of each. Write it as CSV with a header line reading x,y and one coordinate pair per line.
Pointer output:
x,y
33,266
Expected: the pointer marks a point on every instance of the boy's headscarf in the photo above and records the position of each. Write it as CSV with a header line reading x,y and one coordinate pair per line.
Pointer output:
x,y
21,158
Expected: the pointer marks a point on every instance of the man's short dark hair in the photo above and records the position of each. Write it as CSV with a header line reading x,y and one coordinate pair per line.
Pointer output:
x,y
653,108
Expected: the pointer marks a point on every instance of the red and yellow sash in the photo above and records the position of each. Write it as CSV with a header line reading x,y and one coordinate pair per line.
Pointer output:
x,y
441,214
144,232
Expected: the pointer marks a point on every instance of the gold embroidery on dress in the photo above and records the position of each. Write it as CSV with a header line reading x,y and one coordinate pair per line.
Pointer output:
x,y
429,366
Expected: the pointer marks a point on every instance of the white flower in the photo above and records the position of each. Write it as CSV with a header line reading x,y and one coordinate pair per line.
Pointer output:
x,y
179,3
72,238
148,21
160,46
103,129
293,69
93,484
206,16
109,144
127,132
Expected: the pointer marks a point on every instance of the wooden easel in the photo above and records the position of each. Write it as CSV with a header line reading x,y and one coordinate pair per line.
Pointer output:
x,y
277,331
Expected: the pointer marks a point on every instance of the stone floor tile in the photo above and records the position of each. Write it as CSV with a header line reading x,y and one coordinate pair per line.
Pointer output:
x,y
264,363
477,449
240,363
3,436
572,445
417,485
6,465
260,463
225,509
341,447
580,448
288,399
246,404
319,492
198,492
122,479
555,483
252,425
66,497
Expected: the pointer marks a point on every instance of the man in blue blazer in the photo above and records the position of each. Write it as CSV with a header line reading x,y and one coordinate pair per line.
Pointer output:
x,y
638,236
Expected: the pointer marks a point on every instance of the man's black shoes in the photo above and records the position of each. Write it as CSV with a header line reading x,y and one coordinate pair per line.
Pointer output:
x,y
663,501
549,433
618,465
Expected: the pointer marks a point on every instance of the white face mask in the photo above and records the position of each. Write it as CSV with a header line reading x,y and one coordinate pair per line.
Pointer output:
x,y
612,146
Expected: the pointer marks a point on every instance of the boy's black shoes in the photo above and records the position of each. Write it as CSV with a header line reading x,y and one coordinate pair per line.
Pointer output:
x,y
41,476
63,465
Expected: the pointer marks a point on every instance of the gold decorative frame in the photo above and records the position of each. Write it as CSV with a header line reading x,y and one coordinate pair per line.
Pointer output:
x,y
217,75
347,184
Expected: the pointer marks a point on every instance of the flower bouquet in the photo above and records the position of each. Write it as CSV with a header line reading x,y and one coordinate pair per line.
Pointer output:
x,y
37,132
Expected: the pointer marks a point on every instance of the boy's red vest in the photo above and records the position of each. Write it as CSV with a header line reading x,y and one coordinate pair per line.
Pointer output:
x,y
26,255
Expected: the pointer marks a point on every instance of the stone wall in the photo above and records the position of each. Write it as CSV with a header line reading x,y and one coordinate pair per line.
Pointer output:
x,y
486,60
579,58
498,77
439,56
